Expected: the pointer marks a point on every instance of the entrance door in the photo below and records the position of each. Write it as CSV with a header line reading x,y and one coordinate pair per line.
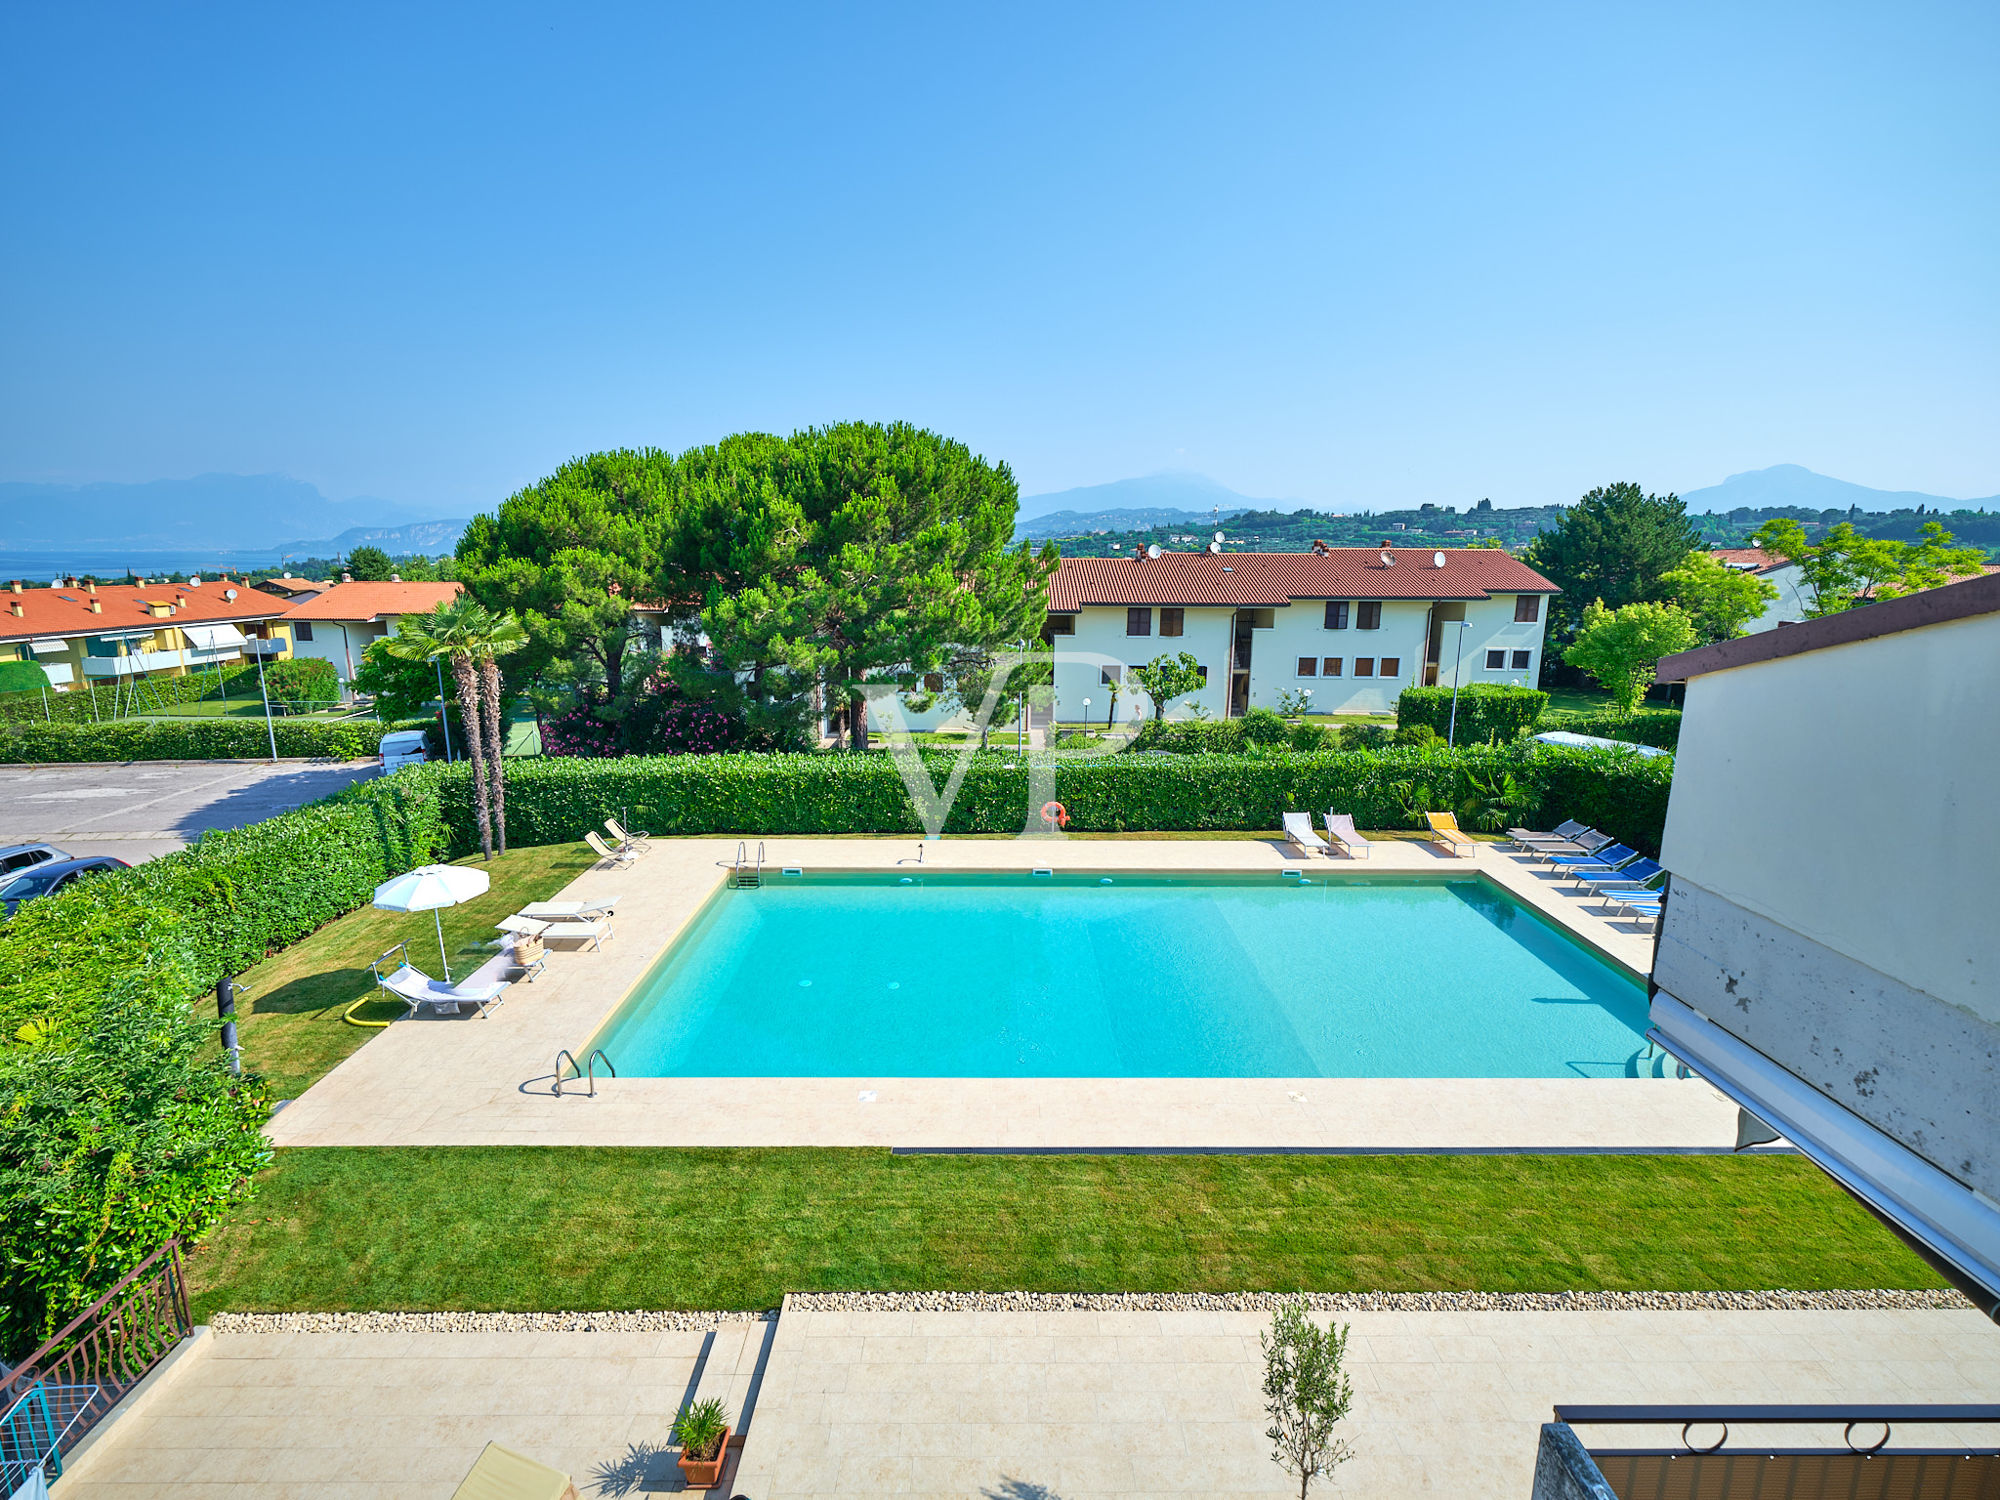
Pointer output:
x,y
1444,618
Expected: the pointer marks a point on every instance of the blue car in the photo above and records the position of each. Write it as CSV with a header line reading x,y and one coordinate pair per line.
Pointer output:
x,y
51,876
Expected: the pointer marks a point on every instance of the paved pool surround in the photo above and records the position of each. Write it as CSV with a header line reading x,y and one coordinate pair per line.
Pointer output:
x,y
467,1081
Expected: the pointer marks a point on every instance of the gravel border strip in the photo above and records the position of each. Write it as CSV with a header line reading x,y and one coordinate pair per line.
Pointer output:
x,y
699,1322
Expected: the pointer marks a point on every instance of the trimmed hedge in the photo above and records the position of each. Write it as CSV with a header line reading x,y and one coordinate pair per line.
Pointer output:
x,y
107,705
1660,728
192,739
554,801
1486,711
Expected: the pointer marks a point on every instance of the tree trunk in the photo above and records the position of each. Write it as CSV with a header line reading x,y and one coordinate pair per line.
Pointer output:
x,y
857,724
496,741
466,675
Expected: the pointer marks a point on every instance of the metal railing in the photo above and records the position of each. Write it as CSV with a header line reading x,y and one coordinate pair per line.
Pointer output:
x,y
109,1347
587,1069
744,875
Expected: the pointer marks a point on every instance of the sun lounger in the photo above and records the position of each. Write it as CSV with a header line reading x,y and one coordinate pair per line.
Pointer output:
x,y
502,1474
1632,876
1299,832
1561,834
1446,833
1583,843
593,930
416,989
606,854
1341,831
1646,907
1610,857
636,841
557,911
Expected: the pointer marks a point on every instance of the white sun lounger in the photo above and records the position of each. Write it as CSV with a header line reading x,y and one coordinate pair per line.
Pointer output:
x,y
562,929
608,855
558,911
637,841
1299,831
1340,828
416,989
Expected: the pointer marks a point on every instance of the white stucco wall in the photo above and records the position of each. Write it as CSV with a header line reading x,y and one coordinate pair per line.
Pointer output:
x,y
1100,638
1850,795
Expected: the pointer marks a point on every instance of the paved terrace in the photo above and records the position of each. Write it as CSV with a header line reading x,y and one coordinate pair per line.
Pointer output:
x,y
1005,1405
489,1081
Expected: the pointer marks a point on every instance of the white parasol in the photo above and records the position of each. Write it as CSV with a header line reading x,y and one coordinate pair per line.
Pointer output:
x,y
429,888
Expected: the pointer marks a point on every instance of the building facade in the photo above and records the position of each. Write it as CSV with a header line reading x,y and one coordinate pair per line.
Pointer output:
x,y
339,623
102,633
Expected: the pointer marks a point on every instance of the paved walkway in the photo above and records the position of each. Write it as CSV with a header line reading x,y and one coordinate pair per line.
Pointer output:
x,y
987,1406
489,1081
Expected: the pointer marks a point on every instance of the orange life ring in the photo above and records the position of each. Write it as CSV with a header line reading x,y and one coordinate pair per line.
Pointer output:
x,y
1054,814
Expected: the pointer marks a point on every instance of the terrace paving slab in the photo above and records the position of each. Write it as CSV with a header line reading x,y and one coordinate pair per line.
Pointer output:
x,y
490,1081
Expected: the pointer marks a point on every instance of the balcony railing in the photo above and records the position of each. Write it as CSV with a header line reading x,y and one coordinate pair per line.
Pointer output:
x,y
138,661
252,646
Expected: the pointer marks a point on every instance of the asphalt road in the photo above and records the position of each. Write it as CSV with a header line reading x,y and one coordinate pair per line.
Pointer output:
x,y
139,812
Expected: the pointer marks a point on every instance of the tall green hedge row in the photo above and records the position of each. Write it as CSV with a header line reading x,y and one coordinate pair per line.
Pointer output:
x,y
1486,711
119,1124
94,704
550,801
191,739
1660,728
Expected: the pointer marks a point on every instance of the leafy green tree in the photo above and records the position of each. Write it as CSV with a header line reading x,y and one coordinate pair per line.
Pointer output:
x,y
1306,1394
867,554
1844,568
1614,545
370,563
1622,648
1719,600
403,687
1168,677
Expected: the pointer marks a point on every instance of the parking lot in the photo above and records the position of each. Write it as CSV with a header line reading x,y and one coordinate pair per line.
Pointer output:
x,y
139,812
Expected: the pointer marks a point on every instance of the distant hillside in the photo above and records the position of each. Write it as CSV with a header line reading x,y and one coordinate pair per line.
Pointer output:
x,y
425,538
1083,523
1788,485
1192,495
224,512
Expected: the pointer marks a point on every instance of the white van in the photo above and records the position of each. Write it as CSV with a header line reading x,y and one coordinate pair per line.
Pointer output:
x,y
406,747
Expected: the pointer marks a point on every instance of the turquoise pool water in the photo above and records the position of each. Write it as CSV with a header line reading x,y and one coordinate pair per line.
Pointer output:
x,y
1127,976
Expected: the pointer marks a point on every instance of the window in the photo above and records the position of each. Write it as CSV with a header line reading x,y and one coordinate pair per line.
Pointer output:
x,y
1495,660
1336,614
1527,608
1364,666
1138,622
1370,613
1391,666
933,682
1108,676
1308,666
1171,621
1057,625
1330,667
302,630
1521,661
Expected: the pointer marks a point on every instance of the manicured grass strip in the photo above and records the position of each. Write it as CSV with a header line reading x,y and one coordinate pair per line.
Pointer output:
x,y
555,1228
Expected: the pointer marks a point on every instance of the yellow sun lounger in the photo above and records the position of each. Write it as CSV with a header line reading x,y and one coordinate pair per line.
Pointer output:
x,y
1446,832
502,1474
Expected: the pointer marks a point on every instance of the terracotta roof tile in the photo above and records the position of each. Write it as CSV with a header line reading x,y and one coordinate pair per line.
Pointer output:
x,y
1274,578
371,601
66,611
1750,559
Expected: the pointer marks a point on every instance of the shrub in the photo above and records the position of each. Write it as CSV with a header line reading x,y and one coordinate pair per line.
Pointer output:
x,y
191,739
1662,729
1486,711
1190,736
1416,734
1263,727
1364,736
302,680
1312,737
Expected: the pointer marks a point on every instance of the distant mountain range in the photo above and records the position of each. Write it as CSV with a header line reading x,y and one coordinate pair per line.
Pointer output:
x,y
1189,497
1788,484
425,538
224,512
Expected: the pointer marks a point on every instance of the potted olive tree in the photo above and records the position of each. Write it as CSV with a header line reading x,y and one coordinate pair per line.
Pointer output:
x,y
702,1430
1305,1393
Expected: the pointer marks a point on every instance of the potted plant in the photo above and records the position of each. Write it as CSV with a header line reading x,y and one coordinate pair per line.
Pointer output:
x,y
702,1430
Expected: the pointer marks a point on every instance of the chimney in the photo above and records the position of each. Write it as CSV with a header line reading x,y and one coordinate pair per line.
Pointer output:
x,y
17,585
347,578
96,605
19,608
92,585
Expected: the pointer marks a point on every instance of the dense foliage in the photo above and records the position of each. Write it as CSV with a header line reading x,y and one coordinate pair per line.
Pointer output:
x,y
192,739
1622,648
1614,545
304,679
119,1124
1486,711
1844,568
1660,728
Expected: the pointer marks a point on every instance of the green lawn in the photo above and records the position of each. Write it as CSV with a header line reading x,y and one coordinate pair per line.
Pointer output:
x,y
290,1024
574,1228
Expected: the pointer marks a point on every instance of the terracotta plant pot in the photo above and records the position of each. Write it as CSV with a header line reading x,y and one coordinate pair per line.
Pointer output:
x,y
705,1473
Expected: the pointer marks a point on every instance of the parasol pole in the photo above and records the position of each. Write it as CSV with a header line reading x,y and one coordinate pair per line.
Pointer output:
x,y
436,916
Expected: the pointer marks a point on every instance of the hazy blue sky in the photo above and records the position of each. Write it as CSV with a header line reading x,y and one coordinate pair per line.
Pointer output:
x,y
1352,254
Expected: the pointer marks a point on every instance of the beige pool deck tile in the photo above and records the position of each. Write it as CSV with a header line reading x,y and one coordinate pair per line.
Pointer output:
x,y
489,1081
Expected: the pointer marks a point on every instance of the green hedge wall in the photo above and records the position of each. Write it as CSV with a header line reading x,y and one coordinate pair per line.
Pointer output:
x,y
1486,711
553,801
1660,728
191,739
104,705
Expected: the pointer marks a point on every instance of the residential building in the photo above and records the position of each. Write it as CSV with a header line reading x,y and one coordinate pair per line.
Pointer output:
x,y
1794,598
1352,626
107,632
337,623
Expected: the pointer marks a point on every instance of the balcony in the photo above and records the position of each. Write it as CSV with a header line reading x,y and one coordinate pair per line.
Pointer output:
x,y
130,666
59,672
252,646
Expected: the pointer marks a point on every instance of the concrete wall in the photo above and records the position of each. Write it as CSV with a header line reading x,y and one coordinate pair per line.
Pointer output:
x,y
1832,833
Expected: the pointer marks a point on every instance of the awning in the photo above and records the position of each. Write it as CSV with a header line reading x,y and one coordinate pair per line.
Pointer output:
x,y
49,648
212,637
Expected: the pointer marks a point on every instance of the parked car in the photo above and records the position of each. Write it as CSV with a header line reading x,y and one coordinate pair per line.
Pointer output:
x,y
406,747
16,857
52,876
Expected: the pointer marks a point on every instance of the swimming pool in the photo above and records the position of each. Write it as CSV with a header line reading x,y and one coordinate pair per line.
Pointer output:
x,y
1124,975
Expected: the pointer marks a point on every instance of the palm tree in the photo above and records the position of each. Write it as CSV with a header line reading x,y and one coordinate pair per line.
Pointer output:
x,y
471,637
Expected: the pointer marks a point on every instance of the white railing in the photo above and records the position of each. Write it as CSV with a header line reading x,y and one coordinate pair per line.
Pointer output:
x,y
138,661
252,646
59,672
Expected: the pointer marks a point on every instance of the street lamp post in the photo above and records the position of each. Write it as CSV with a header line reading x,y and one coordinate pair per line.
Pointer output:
x,y
1457,657
265,694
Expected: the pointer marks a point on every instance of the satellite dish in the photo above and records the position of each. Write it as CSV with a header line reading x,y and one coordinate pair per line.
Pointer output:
x,y
229,593
1218,536
1387,560
1437,559
1215,546
1152,549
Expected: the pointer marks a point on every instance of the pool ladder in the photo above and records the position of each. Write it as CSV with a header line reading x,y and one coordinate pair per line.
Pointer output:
x,y
588,1069
744,875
